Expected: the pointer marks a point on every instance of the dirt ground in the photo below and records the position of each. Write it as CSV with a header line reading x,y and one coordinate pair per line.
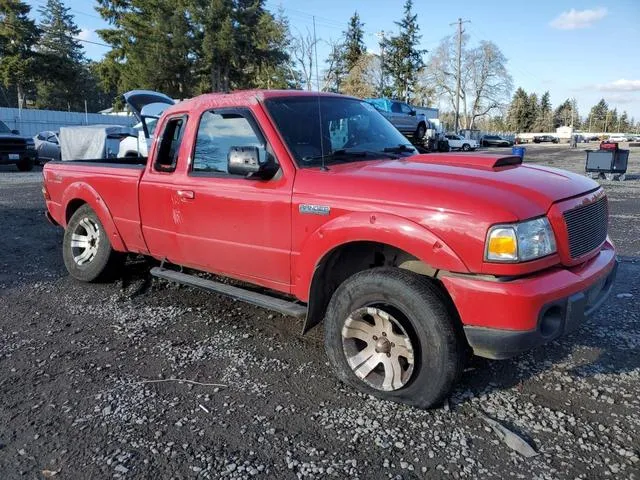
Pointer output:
x,y
87,389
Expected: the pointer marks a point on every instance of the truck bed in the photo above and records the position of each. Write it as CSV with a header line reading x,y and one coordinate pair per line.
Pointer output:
x,y
112,183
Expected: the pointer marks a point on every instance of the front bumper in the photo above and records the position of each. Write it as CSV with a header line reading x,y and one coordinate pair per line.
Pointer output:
x,y
504,318
28,154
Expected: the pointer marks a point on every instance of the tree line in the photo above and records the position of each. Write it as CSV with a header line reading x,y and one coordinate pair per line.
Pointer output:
x,y
530,113
188,47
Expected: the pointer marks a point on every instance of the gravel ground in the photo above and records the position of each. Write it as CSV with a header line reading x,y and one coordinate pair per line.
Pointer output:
x,y
87,389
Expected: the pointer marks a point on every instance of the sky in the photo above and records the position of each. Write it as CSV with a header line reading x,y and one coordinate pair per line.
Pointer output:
x,y
573,49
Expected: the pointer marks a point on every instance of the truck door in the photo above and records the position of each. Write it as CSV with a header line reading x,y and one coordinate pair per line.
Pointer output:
x,y
234,225
397,117
158,195
409,117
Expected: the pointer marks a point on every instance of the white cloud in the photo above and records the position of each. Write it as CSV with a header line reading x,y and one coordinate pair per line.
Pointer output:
x,y
622,85
574,19
86,34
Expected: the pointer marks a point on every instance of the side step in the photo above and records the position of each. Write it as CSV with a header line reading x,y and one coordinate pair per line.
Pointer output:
x,y
265,301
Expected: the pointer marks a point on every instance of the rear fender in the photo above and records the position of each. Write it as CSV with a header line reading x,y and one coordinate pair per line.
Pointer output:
x,y
86,193
382,228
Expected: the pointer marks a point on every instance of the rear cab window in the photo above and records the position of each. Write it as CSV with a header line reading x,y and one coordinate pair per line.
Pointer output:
x,y
169,144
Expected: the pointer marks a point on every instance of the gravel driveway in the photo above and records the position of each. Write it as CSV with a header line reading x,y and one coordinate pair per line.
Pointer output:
x,y
89,379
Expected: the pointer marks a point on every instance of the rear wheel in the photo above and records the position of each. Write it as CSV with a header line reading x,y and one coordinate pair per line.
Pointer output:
x,y
389,333
25,165
86,249
420,132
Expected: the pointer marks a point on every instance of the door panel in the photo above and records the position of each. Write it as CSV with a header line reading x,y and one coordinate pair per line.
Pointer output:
x,y
159,204
229,224
238,227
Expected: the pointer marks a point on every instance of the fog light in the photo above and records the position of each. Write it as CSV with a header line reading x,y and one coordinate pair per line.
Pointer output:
x,y
551,322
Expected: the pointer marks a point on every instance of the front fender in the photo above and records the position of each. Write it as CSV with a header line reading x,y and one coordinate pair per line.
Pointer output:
x,y
86,193
371,227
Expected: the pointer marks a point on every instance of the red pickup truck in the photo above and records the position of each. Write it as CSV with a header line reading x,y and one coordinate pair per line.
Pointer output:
x,y
315,200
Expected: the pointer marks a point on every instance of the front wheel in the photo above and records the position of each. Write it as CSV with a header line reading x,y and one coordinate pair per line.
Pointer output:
x,y
86,249
389,333
420,132
25,165
466,147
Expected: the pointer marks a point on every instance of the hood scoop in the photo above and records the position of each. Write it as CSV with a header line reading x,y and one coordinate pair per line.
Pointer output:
x,y
484,162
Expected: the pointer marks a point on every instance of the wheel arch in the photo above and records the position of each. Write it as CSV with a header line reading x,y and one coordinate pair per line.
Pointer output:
x,y
79,194
389,241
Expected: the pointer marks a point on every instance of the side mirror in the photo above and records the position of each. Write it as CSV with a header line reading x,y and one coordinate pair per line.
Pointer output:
x,y
412,113
15,132
245,161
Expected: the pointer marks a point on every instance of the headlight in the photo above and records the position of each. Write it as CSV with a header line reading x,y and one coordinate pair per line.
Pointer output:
x,y
30,146
520,242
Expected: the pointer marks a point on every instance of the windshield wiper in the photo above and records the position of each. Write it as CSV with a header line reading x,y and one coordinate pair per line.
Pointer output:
x,y
400,149
348,154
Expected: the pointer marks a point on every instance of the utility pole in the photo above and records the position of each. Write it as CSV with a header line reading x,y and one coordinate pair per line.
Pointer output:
x,y
460,32
381,36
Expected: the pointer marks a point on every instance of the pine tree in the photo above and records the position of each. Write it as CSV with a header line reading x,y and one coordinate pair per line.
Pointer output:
x,y
62,58
403,60
566,114
623,123
598,117
544,119
534,113
354,46
18,35
521,115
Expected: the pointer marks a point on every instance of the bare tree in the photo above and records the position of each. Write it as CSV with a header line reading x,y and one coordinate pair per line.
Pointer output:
x,y
333,72
485,83
303,54
361,81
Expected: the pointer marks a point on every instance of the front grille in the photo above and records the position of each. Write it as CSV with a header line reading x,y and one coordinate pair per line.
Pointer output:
x,y
587,227
12,146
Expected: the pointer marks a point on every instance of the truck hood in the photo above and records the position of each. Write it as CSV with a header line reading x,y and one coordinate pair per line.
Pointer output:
x,y
12,137
469,183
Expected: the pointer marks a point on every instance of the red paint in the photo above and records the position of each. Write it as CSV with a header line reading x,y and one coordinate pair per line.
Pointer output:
x,y
437,207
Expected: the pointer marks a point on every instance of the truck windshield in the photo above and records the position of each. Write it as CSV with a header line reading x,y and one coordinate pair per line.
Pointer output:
x,y
328,129
4,128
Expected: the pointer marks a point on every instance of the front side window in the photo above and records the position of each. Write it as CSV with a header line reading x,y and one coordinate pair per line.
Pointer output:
x,y
325,129
217,133
406,108
396,108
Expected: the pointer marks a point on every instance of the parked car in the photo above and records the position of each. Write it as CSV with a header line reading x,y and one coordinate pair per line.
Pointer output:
x,y
618,138
545,139
16,149
147,106
410,260
402,116
495,141
47,146
458,142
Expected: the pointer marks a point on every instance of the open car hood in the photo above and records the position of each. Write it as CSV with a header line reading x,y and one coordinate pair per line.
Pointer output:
x,y
138,100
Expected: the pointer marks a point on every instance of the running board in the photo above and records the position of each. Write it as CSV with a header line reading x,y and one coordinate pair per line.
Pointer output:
x,y
265,301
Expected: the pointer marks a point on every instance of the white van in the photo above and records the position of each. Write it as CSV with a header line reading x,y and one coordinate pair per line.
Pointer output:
x,y
618,137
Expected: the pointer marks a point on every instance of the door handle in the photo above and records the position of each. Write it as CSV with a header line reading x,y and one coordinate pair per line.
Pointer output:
x,y
187,194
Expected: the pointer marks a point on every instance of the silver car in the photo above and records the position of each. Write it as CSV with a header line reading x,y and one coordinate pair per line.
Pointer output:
x,y
47,146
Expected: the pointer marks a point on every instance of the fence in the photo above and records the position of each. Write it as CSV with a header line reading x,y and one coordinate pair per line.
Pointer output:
x,y
31,122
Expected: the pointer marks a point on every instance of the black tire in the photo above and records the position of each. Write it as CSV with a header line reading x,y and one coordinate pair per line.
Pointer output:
x,y
420,132
104,264
430,325
25,165
466,147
